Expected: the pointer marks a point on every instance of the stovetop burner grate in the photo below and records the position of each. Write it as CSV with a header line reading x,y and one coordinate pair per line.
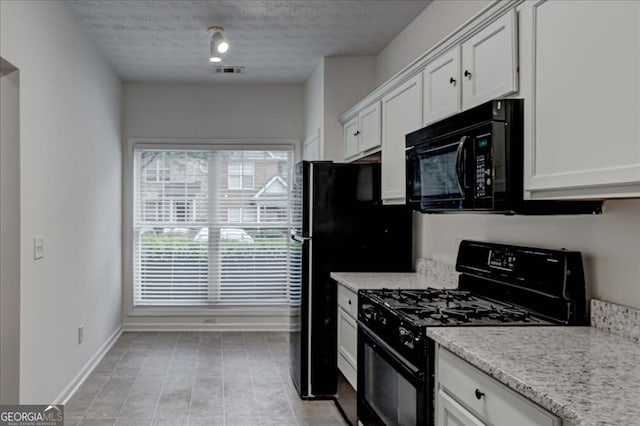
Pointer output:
x,y
437,307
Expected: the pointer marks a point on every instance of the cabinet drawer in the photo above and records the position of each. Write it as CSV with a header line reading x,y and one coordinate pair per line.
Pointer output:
x,y
497,404
348,300
450,413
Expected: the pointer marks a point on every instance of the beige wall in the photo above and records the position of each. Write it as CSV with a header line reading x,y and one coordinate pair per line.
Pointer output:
x,y
314,104
347,80
9,233
70,193
610,242
213,111
437,21
335,86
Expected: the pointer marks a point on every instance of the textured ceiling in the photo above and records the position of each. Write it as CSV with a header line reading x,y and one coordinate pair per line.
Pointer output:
x,y
277,41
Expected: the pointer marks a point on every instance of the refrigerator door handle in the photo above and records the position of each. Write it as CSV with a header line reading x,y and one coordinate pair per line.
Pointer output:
x,y
300,239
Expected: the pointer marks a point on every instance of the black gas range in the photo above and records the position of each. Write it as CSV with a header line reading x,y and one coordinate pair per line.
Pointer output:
x,y
499,285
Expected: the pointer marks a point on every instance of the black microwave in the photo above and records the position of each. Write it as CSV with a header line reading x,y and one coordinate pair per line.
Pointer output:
x,y
473,161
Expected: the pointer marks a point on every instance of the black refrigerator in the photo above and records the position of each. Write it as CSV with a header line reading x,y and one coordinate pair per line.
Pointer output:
x,y
338,224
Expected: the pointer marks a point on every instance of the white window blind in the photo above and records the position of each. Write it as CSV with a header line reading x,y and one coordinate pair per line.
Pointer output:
x,y
211,227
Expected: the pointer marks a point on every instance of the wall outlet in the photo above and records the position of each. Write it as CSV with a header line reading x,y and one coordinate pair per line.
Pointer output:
x,y
80,334
38,247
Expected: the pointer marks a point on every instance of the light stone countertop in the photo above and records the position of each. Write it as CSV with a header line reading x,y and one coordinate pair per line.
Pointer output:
x,y
583,375
374,280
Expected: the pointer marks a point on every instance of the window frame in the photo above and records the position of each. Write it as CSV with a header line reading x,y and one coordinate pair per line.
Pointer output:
x,y
241,176
133,314
159,174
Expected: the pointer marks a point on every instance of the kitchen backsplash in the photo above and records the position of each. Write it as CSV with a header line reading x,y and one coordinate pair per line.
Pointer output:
x,y
437,272
616,319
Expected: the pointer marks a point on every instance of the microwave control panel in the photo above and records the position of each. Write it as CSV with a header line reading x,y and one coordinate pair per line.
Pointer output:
x,y
484,184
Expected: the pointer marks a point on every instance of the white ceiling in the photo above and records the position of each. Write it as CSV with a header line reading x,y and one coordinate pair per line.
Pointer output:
x,y
276,40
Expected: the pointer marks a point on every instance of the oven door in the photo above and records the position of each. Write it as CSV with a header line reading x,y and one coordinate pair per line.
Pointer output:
x,y
439,174
391,390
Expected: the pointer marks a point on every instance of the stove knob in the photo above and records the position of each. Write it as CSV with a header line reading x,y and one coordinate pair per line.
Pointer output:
x,y
406,337
368,312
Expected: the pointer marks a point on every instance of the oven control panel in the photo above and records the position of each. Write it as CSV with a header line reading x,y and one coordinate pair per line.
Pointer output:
x,y
483,177
503,259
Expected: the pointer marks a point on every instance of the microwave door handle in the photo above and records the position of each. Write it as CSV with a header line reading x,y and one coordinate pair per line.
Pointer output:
x,y
459,166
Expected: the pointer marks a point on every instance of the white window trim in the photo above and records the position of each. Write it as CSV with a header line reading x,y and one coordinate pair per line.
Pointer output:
x,y
131,313
157,173
242,175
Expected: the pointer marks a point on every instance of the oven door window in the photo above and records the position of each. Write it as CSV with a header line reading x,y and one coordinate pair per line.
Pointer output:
x,y
389,394
439,173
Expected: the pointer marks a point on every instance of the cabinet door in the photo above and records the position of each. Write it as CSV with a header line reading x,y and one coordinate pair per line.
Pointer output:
x,y
350,138
442,86
450,413
490,62
347,346
401,114
369,125
582,123
490,401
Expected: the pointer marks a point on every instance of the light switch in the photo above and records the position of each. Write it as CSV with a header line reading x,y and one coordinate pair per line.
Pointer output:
x,y
38,247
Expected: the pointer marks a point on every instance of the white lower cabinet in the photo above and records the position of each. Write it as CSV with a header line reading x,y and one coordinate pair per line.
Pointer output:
x,y
469,397
347,334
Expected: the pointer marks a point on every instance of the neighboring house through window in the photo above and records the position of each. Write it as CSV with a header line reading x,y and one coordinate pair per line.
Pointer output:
x,y
211,227
183,211
156,170
241,175
234,214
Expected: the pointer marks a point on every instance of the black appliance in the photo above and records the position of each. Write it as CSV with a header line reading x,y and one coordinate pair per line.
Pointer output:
x,y
474,161
499,285
338,224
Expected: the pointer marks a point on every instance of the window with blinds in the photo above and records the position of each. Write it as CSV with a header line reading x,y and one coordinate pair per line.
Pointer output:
x,y
211,227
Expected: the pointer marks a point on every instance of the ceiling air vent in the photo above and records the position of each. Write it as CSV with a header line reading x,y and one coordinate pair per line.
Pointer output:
x,y
228,70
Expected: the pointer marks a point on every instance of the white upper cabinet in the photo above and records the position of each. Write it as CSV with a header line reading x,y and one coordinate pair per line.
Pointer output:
x,y
401,114
490,62
362,134
370,128
350,138
442,86
581,85
482,68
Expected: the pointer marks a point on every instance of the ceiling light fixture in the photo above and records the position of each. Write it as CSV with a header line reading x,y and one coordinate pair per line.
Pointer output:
x,y
218,44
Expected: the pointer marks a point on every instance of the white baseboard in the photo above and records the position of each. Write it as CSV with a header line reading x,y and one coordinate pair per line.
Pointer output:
x,y
166,326
82,375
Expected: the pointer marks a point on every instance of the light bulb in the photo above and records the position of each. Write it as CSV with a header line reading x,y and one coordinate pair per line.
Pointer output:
x,y
223,46
215,59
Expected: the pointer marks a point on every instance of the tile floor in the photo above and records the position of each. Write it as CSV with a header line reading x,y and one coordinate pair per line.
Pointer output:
x,y
196,379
